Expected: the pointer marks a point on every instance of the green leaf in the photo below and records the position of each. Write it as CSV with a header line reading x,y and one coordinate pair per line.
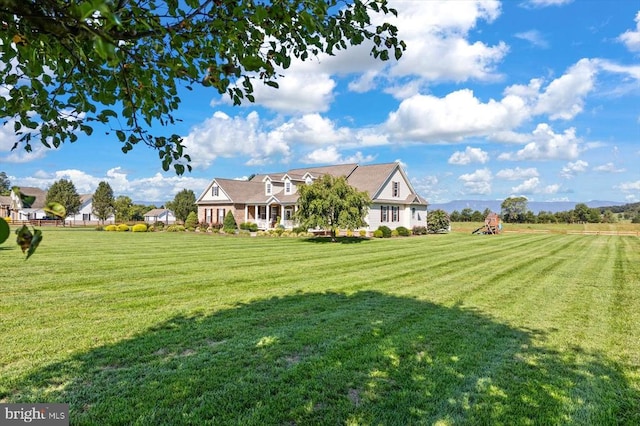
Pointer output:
x,y
55,209
4,230
121,136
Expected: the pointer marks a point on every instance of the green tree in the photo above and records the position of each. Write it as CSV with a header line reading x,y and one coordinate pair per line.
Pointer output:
x,y
64,192
75,61
192,221
229,224
5,184
183,203
582,212
609,216
102,203
455,216
514,209
466,214
122,205
438,221
330,203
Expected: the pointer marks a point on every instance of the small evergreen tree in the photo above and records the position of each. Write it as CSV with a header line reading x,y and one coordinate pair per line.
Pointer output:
x,y
437,221
229,225
192,221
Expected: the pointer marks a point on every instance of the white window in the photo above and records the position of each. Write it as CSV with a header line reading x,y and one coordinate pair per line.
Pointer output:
x,y
384,213
215,191
287,187
268,188
395,214
396,188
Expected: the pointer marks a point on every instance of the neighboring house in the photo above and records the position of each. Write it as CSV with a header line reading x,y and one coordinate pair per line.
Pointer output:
x,y
85,214
165,216
5,205
19,210
270,199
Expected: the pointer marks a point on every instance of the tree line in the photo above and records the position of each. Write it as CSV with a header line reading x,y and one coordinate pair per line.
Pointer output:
x,y
515,210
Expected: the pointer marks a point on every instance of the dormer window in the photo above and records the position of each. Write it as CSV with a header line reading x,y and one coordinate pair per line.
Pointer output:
x,y
268,188
308,180
287,187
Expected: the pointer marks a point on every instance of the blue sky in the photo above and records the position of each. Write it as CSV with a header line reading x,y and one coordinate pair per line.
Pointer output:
x,y
539,98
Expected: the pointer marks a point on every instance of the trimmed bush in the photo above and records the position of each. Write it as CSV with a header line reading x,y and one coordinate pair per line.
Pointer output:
x,y
139,227
192,221
378,234
363,233
419,230
175,228
99,228
123,227
300,230
110,228
386,231
249,226
394,233
402,231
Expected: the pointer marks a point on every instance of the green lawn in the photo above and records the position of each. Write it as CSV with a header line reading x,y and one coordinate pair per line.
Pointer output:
x,y
170,328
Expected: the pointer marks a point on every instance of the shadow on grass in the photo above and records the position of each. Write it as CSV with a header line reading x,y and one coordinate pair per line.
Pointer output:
x,y
340,240
366,358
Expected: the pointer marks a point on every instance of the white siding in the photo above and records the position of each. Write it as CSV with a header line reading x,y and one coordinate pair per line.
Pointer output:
x,y
387,191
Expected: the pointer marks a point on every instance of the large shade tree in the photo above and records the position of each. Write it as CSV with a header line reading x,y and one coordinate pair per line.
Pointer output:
x,y
183,203
514,209
64,193
72,64
330,203
5,184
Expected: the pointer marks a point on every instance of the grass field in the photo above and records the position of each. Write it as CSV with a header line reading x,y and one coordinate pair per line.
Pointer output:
x,y
169,328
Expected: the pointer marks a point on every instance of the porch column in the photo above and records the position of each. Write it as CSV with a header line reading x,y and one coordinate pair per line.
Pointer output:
x,y
281,214
268,208
246,213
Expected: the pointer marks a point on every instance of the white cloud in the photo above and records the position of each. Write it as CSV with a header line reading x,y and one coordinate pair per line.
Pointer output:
x,y
608,168
458,115
468,156
533,186
563,98
534,37
572,168
331,155
437,32
544,144
224,136
544,3
478,182
517,173
631,38
629,186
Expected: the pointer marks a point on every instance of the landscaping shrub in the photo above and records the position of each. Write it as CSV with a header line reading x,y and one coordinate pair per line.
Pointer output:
x,y
249,226
349,233
99,228
175,228
403,232
192,221
300,230
362,233
419,230
123,227
394,233
386,231
229,224
110,228
139,227
378,233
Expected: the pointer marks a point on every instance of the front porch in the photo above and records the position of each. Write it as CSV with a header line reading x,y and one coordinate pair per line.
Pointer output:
x,y
271,216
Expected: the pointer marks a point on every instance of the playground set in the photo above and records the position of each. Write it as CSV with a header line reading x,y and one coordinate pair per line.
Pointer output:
x,y
492,225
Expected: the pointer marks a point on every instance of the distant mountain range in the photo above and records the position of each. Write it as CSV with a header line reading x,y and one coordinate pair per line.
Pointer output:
x,y
534,206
